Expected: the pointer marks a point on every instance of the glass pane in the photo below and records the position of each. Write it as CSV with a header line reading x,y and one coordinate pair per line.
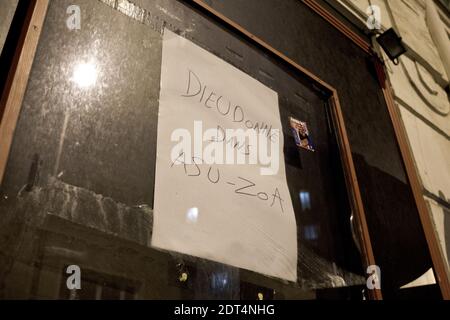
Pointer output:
x,y
79,185
7,10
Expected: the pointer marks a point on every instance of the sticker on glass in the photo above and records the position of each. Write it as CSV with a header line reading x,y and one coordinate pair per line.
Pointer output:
x,y
301,134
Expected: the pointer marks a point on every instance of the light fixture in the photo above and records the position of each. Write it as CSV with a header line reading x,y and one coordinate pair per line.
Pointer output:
x,y
392,44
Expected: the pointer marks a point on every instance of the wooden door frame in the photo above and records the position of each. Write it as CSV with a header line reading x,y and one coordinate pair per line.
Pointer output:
x,y
355,198
14,92
439,266
438,260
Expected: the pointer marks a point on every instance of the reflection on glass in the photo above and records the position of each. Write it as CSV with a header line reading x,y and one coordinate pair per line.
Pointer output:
x,y
192,215
219,280
311,232
305,200
85,74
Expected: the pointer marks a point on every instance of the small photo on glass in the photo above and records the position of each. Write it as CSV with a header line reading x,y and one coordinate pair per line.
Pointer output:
x,y
301,134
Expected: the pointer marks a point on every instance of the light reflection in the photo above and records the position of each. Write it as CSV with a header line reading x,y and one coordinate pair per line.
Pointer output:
x,y
305,200
192,215
311,232
219,280
85,74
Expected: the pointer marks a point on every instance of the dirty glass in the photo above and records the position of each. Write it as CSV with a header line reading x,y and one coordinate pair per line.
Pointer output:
x,y
7,9
78,188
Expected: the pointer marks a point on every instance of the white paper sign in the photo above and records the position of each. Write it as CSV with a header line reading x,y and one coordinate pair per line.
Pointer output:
x,y
237,212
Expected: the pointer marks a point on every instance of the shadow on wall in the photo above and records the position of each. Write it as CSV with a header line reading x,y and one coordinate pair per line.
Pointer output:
x,y
396,234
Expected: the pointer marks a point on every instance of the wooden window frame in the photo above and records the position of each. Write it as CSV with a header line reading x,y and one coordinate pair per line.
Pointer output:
x,y
14,92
